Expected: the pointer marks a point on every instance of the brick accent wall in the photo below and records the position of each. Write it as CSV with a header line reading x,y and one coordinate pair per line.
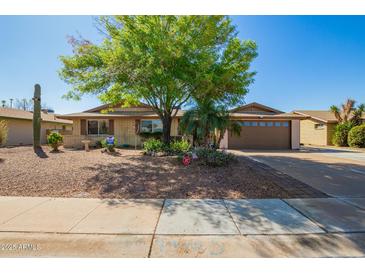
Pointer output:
x,y
124,131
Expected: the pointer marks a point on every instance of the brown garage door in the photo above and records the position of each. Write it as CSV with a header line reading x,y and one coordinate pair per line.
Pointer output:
x,y
262,135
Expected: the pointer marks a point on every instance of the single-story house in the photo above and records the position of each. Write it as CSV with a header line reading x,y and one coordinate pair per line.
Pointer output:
x,y
318,127
20,125
262,127
125,123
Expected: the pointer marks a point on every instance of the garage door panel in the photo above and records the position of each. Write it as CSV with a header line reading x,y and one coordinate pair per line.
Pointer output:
x,y
261,137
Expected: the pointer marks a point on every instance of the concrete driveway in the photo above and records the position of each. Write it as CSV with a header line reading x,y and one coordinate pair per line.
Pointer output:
x,y
338,173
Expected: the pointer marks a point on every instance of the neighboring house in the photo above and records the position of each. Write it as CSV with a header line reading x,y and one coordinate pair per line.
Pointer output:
x,y
125,123
20,125
318,127
263,127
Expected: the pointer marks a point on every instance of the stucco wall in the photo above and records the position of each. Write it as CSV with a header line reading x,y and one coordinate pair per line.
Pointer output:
x,y
295,134
330,132
20,132
311,136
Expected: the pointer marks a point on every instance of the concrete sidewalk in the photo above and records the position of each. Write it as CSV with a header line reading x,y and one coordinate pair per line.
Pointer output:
x,y
70,227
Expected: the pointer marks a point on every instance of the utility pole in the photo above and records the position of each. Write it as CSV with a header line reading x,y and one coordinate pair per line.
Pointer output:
x,y
3,102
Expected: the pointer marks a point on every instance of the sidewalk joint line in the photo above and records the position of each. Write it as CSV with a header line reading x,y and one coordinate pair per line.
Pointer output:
x,y
154,231
230,215
83,218
8,220
309,218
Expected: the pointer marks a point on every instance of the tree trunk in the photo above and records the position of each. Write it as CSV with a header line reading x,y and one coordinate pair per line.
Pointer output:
x,y
166,124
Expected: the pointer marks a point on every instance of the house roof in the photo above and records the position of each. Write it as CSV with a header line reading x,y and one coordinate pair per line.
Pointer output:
x,y
250,111
255,105
267,116
258,111
28,115
326,116
115,114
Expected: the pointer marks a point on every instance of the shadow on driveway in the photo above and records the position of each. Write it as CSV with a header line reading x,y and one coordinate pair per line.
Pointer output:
x,y
333,177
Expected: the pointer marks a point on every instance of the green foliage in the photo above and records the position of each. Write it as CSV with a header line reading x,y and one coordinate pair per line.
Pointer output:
x,y
176,147
356,137
153,146
55,140
212,157
3,132
109,147
148,135
37,117
179,147
207,122
348,112
357,115
341,132
163,61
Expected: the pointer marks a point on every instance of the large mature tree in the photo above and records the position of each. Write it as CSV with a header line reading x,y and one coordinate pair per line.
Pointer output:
x,y
163,61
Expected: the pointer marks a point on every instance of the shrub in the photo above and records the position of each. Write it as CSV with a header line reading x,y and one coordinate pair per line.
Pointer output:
x,y
153,146
212,157
149,135
3,132
179,147
55,140
356,137
341,133
109,143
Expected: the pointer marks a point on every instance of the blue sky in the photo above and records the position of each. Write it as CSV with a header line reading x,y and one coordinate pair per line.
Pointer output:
x,y
304,62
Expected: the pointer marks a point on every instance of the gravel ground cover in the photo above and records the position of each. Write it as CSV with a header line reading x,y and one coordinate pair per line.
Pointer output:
x,y
129,174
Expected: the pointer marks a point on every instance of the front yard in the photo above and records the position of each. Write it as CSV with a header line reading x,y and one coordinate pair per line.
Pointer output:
x,y
129,174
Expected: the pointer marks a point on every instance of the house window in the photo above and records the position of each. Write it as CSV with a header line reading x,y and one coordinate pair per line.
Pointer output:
x,y
97,127
285,124
269,124
262,124
277,124
245,124
319,126
151,126
254,124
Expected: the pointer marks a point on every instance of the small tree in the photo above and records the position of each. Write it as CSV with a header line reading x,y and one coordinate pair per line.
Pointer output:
x,y
207,122
162,61
348,112
3,132
55,140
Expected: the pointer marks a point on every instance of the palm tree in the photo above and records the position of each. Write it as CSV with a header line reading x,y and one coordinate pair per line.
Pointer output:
x,y
348,112
207,122
357,114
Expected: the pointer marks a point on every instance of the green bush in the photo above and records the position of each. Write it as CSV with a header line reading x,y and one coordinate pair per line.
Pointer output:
x,y
341,134
212,157
149,135
55,140
109,147
3,132
179,147
153,146
356,137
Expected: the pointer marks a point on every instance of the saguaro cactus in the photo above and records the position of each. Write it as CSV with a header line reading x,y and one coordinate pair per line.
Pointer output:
x,y
37,117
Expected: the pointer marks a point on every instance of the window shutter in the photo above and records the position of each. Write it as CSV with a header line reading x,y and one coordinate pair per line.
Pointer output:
x,y
111,127
83,127
136,126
